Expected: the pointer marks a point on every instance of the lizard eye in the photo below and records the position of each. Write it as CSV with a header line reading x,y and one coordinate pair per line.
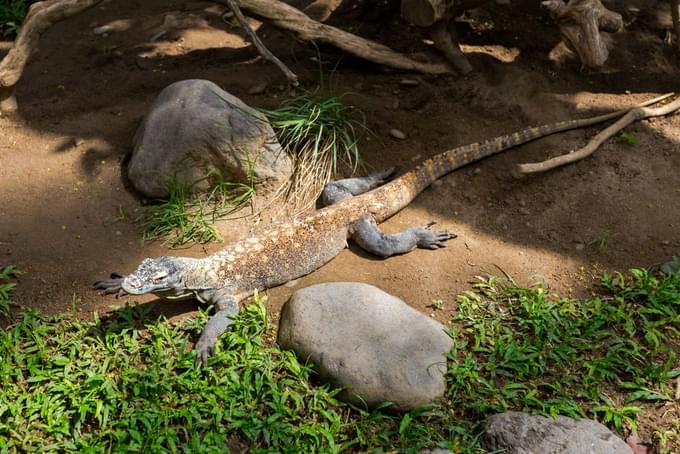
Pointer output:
x,y
160,275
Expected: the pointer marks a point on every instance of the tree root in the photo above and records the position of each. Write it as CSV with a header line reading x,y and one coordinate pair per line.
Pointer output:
x,y
40,17
638,112
675,13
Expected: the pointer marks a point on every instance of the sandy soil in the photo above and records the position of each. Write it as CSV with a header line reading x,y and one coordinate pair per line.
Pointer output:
x,y
66,217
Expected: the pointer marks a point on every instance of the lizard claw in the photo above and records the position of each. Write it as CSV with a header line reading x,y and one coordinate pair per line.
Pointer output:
x,y
205,348
427,239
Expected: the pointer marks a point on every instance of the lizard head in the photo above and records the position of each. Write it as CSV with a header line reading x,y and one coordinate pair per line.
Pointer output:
x,y
153,275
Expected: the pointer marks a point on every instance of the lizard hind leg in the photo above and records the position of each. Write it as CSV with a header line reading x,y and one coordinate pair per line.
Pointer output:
x,y
366,233
337,191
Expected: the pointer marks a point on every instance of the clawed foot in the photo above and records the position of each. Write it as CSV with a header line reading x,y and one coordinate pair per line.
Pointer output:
x,y
427,239
111,286
205,348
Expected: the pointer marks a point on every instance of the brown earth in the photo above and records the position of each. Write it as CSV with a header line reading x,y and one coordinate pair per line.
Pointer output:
x,y
66,212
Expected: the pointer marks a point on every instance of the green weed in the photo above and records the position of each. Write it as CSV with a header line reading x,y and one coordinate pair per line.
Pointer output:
x,y
187,217
525,349
12,13
319,132
6,287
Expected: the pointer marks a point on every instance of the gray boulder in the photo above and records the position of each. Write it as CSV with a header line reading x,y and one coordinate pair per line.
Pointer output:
x,y
520,433
368,341
194,127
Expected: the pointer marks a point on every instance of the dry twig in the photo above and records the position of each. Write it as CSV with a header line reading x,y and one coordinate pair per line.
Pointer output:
x,y
261,48
636,113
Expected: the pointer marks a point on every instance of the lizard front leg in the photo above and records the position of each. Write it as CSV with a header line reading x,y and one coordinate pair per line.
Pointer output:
x,y
366,233
226,307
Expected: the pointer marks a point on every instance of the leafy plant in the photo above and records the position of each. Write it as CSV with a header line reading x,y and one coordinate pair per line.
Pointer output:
x,y
6,287
630,139
319,132
187,217
12,13
519,348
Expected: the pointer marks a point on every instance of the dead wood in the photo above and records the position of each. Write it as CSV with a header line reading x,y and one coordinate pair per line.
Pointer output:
x,y
443,34
40,17
580,23
259,45
638,112
289,18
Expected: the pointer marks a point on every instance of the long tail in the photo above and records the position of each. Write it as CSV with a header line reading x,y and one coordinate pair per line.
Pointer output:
x,y
408,186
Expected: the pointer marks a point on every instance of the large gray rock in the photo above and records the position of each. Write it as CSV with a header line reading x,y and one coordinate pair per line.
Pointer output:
x,y
364,339
195,127
520,433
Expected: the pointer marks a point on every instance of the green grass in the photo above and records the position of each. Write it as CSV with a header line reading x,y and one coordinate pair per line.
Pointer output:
x,y
320,133
186,217
126,383
12,13
6,287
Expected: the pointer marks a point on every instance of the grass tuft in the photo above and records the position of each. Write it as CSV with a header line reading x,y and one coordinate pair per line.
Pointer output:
x,y
6,287
320,133
12,13
187,217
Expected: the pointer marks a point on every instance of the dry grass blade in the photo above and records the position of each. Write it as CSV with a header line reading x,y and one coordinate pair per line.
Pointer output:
x,y
319,133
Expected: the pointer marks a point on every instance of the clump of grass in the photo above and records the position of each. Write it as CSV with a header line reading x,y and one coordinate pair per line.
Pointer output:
x,y
605,358
12,13
187,217
6,287
320,133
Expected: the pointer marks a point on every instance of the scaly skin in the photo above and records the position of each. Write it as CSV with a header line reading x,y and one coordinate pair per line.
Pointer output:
x,y
287,251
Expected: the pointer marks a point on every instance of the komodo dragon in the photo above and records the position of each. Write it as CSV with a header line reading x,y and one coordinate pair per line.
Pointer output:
x,y
287,251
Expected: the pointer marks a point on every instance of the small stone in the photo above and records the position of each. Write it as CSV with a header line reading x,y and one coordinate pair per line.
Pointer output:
x,y
117,53
397,134
395,104
524,211
258,88
417,157
409,82
580,247
666,242
119,233
104,29
633,10
522,202
477,171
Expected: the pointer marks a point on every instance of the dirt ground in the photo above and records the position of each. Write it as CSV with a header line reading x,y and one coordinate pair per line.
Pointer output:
x,y
66,217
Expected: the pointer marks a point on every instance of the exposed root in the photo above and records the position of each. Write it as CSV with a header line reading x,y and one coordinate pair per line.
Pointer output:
x,y
636,113
40,17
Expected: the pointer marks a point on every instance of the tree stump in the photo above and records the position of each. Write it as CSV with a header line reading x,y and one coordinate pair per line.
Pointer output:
x,y
580,22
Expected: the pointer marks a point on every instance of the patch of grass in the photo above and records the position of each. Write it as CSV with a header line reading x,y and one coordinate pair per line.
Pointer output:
x,y
127,382
519,348
320,133
6,287
187,217
12,13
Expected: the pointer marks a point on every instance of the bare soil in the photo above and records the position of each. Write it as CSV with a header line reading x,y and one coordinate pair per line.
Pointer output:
x,y
66,217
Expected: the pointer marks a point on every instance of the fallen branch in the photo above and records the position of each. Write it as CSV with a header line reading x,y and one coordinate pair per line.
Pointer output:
x,y
289,18
638,112
40,17
261,48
